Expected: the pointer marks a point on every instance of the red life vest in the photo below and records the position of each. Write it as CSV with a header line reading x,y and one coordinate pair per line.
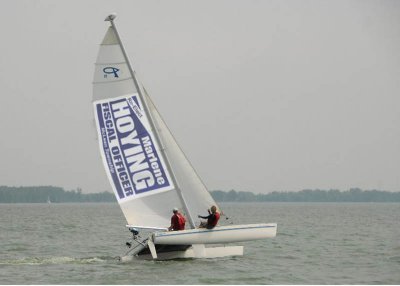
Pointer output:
x,y
181,222
213,220
178,222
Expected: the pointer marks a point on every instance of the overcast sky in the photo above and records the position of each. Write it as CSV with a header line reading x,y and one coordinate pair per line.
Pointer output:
x,y
261,95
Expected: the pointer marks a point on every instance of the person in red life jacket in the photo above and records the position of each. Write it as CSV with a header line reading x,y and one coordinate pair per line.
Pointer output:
x,y
177,221
212,218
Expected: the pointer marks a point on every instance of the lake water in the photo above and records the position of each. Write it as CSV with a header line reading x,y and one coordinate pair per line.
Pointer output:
x,y
317,243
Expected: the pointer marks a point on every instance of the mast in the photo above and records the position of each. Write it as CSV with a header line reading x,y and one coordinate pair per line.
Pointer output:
x,y
110,19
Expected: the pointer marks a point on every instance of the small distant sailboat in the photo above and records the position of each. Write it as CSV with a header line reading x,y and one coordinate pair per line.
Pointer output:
x,y
48,200
149,173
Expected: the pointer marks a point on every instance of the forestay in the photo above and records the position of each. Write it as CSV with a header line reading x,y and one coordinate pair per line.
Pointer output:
x,y
147,169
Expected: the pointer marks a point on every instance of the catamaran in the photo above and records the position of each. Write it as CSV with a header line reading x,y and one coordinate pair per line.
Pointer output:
x,y
148,171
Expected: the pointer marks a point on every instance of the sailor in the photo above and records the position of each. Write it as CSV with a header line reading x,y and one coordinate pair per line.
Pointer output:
x,y
177,220
212,218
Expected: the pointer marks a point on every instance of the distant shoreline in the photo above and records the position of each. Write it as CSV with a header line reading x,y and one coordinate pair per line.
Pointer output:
x,y
352,195
51,194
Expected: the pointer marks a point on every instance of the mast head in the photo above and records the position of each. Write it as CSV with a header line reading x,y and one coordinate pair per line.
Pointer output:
x,y
111,17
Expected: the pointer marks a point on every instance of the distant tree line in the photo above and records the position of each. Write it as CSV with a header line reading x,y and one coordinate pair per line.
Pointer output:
x,y
352,195
41,194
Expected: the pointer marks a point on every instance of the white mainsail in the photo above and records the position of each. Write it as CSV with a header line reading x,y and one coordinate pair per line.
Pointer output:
x,y
147,169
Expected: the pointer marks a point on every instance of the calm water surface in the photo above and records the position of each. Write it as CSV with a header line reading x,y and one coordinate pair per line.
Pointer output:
x,y
317,243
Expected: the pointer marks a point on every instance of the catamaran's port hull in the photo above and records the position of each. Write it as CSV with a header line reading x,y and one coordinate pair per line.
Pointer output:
x,y
217,235
192,243
194,251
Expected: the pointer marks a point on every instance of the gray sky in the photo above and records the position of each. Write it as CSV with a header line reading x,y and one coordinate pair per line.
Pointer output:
x,y
261,95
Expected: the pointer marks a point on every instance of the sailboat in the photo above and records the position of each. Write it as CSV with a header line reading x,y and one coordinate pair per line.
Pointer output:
x,y
148,171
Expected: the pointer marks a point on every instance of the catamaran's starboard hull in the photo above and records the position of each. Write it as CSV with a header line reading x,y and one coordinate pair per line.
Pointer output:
x,y
222,234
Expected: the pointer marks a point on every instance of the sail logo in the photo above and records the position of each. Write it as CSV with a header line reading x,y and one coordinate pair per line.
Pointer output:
x,y
110,71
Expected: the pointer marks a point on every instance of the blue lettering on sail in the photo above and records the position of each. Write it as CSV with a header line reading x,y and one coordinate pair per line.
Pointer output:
x,y
128,149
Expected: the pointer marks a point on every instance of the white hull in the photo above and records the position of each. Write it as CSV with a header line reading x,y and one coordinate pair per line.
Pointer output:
x,y
192,243
195,251
221,234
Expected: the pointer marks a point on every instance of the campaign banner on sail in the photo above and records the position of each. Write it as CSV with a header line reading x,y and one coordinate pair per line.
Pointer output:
x,y
129,150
